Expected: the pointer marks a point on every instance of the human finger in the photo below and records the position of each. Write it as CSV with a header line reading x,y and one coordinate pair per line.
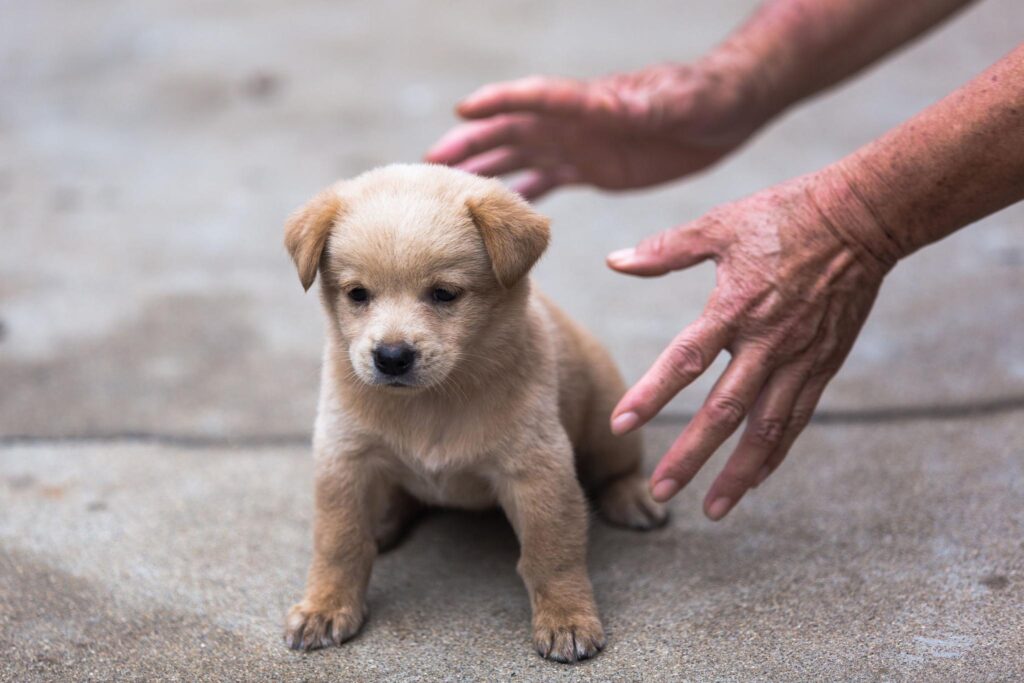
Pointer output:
x,y
673,249
762,435
476,137
499,161
536,183
803,411
684,360
722,413
538,94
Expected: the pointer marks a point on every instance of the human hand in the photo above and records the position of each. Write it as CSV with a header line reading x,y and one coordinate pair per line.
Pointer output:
x,y
793,290
616,132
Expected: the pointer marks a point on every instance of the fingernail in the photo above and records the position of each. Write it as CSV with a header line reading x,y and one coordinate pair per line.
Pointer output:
x,y
622,255
625,422
719,508
467,101
665,489
434,151
762,474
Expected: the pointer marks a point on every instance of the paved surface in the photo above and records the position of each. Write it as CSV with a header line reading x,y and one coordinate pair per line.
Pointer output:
x,y
893,557
148,154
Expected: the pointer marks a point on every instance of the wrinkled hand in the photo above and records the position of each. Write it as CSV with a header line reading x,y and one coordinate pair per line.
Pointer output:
x,y
617,132
791,295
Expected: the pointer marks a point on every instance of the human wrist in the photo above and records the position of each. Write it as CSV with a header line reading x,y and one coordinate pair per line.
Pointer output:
x,y
848,197
742,82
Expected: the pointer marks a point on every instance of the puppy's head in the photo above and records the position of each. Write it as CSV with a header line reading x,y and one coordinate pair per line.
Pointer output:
x,y
415,261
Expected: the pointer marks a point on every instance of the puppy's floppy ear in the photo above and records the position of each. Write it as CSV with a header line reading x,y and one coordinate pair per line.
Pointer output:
x,y
306,230
514,234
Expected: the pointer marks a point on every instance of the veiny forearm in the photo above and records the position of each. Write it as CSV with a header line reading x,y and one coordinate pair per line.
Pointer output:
x,y
956,162
791,49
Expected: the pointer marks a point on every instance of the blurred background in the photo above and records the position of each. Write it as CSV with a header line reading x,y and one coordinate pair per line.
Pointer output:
x,y
149,153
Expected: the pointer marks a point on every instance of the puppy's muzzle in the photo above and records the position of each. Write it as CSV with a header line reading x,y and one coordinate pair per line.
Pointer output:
x,y
394,359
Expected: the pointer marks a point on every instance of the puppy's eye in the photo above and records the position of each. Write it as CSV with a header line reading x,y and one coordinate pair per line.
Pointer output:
x,y
444,295
358,294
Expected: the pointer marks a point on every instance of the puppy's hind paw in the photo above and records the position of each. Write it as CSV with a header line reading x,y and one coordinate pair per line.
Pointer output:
x,y
626,502
310,629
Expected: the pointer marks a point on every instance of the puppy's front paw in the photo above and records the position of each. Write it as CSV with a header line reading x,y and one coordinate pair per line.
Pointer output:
x,y
627,502
569,641
307,628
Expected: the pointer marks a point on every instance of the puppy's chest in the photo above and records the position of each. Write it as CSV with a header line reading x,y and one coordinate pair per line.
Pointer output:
x,y
437,440
462,489
444,465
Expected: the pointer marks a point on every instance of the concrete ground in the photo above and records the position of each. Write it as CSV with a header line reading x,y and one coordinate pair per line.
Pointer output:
x,y
158,364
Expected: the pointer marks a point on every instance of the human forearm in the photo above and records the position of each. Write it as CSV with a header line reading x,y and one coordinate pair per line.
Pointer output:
x,y
954,163
791,49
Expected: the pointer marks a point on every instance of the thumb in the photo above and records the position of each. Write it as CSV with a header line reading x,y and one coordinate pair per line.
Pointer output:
x,y
672,249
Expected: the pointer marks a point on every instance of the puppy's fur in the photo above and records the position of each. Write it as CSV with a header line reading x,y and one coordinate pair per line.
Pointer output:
x,y
505,401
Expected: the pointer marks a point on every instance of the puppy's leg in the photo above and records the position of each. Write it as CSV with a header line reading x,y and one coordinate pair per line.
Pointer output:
x,y
397,513
610,466
344,548
627,502
547,509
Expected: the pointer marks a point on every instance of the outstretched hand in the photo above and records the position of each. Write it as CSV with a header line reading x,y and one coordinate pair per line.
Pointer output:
x,y
792,290
617,132
790,298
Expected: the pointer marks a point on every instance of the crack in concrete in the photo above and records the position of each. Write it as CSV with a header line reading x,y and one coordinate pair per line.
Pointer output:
x,y
928,412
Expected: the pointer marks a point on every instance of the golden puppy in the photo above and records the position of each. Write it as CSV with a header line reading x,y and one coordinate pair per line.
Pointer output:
x,y
449,380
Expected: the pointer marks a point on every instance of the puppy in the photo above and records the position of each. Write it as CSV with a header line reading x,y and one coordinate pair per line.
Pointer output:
x,y
449,380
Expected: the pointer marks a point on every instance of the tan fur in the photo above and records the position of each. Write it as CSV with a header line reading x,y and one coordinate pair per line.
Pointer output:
x,y
508,403
513,235
306,232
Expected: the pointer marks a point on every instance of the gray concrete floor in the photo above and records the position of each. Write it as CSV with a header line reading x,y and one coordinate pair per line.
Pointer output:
x,y
158,364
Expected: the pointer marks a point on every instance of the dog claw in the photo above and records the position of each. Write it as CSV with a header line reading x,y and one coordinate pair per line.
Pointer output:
x,y
567,644
310,629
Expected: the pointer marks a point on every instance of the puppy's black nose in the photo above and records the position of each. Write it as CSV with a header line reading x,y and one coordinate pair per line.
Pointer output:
x,y
394,359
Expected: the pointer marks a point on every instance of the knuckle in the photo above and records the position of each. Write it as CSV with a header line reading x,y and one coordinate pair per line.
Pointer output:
x,y
716,218
767,432
655,245
726,411
798,420
774,353
685,360
727,315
